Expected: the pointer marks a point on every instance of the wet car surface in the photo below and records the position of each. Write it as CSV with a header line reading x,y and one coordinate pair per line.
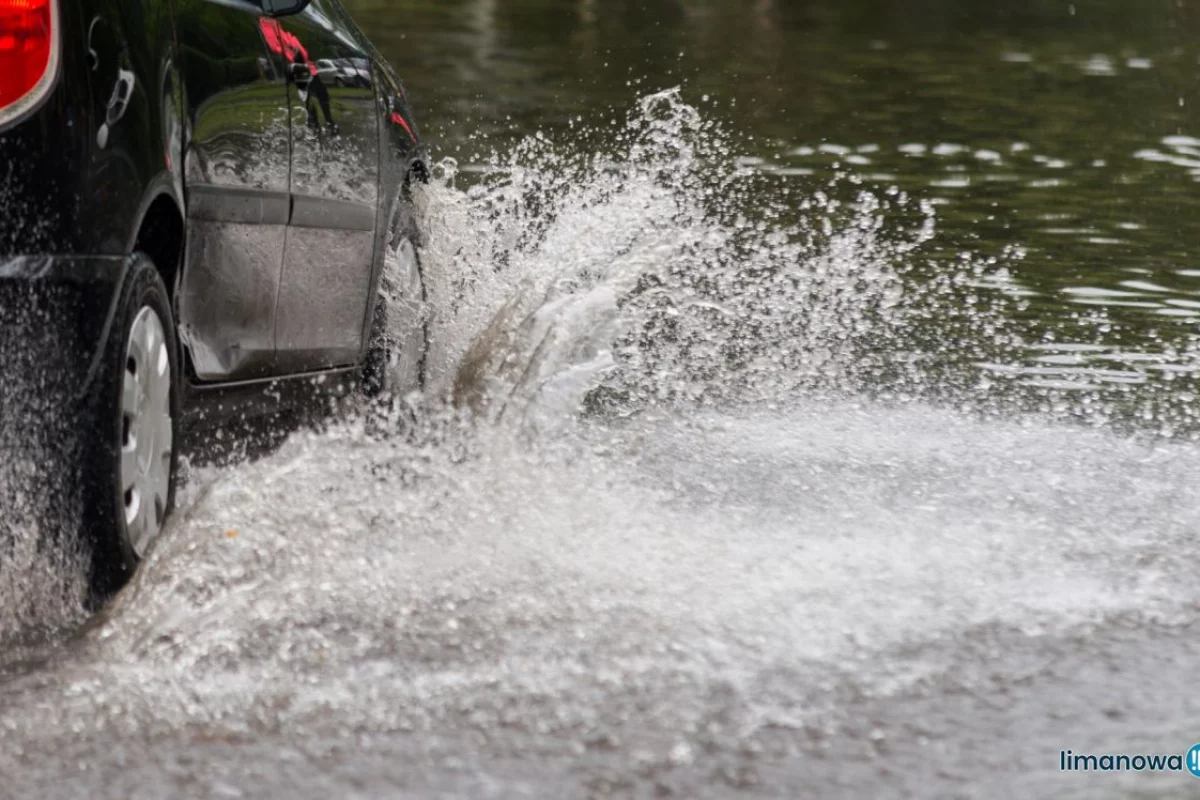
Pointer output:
x,y
196,213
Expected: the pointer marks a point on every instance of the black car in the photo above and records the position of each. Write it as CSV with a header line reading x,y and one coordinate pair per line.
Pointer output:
x,y
193,221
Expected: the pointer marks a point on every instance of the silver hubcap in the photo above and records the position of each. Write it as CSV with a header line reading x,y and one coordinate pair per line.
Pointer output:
x,y
146,437
406,317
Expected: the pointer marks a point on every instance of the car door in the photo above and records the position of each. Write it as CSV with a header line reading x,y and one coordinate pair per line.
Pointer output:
x,y
330,250
236,174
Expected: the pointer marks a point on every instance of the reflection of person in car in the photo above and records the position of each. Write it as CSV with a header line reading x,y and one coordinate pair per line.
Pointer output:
x,y
318,90
303,71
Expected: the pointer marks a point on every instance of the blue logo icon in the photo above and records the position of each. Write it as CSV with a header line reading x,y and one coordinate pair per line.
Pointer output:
x,y
1193,760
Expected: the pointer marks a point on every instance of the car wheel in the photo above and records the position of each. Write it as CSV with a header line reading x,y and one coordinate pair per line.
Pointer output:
x,y
395,361
132,436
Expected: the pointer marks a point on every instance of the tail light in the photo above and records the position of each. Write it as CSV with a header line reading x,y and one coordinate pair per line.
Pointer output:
x,y
29,53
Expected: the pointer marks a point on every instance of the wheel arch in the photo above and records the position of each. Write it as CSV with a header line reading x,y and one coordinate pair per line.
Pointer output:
x,y
160,234
414,170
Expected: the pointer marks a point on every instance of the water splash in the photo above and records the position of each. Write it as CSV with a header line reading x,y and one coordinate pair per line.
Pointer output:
x,y
734,536
42,564
655,270
643,265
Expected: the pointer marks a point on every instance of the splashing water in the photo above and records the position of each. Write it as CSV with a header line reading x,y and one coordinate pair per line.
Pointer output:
x,y
41,566
675,511
655,271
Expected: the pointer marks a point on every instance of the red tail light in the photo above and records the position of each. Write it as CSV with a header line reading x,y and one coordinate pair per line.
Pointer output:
x,y
28,53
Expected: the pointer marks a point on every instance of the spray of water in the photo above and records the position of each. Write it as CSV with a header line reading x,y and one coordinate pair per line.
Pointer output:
x,y
41,563
651,271
660,500
656,271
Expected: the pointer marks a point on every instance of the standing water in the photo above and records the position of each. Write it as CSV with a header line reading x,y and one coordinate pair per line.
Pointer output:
x,y
826,432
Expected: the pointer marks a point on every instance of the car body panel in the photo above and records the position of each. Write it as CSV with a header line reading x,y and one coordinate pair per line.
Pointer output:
x,y
65,299
80,167
330,253
237,164
185,101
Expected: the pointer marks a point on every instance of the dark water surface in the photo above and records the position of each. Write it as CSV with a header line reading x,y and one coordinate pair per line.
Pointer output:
x,y
1061,140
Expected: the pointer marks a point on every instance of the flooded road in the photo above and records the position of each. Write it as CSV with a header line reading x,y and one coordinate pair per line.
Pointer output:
x,y
841,445
836,602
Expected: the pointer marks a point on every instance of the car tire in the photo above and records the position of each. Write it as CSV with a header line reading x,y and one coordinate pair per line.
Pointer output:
x,y
395,359
131,436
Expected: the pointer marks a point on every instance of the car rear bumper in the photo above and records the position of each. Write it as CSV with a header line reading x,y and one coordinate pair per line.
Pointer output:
x,y
55,316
